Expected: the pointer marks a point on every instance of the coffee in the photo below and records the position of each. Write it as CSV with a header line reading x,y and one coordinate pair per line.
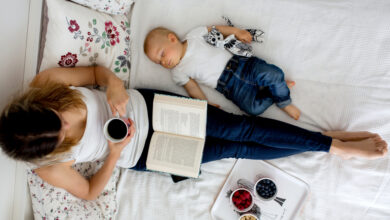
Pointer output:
x,y
117,129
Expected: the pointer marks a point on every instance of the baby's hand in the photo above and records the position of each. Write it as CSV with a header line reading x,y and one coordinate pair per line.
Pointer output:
x,y
244,36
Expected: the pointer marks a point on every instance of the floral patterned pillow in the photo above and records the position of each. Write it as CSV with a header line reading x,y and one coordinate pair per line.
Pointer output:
x,y
79,36
116,7
49,202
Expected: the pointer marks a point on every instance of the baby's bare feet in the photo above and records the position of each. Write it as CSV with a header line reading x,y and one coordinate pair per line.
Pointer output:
x,y
290,83
292,111
370,148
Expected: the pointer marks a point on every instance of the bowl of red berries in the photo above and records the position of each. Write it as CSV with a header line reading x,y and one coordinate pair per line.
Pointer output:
x,y
265,189
242,200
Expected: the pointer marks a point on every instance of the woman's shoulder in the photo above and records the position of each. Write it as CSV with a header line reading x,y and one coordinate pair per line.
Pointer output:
x,y
54,160
82,89
51,167
60,164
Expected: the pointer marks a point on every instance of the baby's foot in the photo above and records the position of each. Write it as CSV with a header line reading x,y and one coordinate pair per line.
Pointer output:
x,y
370,148
290,83
350,136
292,111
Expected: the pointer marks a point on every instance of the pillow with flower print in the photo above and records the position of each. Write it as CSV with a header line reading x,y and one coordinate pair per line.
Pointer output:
x,y
50,202
79,36
116,7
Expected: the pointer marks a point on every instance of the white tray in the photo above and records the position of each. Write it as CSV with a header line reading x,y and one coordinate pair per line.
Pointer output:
x,y
291,192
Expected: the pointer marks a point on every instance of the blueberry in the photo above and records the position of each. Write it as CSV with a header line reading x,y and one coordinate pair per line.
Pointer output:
x,y
266,188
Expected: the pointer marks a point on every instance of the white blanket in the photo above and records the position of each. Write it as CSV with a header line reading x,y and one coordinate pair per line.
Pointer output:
x,y
338,52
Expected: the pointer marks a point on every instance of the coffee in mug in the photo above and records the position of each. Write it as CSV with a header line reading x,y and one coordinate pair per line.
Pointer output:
x,y
116,129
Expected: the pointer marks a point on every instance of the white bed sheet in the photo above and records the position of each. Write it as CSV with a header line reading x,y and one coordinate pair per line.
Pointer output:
x,y
338,52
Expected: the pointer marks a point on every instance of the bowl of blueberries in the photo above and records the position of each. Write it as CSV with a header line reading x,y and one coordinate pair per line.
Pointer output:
x,y
242,200
265,189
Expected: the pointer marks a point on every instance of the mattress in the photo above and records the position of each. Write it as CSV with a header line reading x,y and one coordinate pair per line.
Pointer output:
x,y
337,52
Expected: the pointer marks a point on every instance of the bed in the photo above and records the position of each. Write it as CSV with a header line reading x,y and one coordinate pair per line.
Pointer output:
x,y
339,55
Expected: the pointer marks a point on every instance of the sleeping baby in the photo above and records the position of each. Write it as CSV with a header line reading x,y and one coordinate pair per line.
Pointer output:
x,y
250,82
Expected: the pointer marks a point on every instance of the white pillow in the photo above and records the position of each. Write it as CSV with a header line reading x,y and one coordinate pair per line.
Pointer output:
x,y
79,36
116,7
50,202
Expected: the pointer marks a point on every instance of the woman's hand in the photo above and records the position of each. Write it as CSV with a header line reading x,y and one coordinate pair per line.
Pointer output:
x,y
116,148
117,97
244,36
131,128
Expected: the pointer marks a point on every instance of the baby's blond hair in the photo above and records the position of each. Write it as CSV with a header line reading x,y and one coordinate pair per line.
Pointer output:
x,y
156,34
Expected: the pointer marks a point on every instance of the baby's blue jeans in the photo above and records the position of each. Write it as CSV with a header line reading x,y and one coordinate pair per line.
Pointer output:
x,y
237,136
253,85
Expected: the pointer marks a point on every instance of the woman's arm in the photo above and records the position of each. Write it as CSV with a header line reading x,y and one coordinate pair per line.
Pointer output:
x,y
117,96
64,176
77,76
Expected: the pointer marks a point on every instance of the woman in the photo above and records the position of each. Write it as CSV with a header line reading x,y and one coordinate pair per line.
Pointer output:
x,y
54,126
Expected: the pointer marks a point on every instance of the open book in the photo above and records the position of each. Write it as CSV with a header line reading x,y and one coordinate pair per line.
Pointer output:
x,y
180,129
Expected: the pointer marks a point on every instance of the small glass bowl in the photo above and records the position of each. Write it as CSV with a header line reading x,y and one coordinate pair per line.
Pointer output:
x,y
242,197
248,216
265,188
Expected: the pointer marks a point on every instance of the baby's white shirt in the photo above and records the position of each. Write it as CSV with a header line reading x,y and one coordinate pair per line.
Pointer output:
x,y
202,62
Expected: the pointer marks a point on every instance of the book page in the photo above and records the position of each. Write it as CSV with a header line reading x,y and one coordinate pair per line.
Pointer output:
x,y
177,115
175,154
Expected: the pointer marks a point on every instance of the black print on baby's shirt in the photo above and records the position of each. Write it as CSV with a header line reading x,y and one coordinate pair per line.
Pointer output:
x,y
230,43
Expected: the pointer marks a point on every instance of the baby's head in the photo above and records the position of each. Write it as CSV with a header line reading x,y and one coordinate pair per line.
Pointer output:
x,y
162,46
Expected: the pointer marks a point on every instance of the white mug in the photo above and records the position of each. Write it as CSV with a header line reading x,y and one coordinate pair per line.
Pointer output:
x,y
116,129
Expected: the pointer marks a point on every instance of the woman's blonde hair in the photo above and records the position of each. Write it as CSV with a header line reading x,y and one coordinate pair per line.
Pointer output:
x,y
29,128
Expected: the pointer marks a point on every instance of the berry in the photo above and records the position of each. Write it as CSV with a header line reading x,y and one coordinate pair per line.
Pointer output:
x,y
242,199
266,188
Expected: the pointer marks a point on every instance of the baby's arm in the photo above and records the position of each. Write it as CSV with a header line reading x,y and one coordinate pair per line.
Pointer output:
x,y
196,92
240,34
